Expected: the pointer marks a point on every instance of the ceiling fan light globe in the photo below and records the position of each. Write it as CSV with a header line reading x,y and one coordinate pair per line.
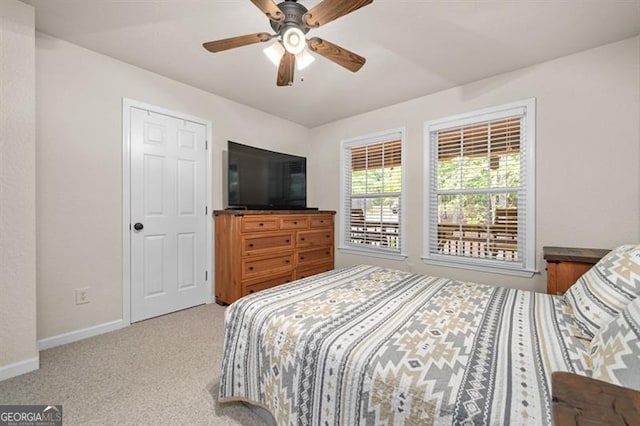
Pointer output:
x,y
293,40
304,59
274,53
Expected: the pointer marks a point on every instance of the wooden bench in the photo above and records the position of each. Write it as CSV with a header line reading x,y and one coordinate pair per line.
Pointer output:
x,y
580,400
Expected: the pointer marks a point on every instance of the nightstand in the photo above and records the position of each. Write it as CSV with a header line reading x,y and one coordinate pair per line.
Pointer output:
x,y
581,400
566,264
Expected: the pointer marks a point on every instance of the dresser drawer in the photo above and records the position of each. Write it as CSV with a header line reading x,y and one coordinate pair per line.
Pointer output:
x,y
252,244
321,255
253,286
321,221
294,222
253,267
259,223
313,270
314,238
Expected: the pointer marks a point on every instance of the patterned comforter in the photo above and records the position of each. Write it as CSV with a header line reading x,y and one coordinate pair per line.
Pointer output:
x,y
375,346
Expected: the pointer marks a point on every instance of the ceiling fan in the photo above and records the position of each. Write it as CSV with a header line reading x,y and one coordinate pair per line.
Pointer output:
x,y
291,21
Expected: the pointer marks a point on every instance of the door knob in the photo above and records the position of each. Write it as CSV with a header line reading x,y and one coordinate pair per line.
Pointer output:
x,y
138,226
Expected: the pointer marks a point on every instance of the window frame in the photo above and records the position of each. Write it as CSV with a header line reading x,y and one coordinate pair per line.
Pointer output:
x,y
526,268
368,250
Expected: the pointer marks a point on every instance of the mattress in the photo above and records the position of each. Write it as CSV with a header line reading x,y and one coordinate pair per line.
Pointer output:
x,y
367,345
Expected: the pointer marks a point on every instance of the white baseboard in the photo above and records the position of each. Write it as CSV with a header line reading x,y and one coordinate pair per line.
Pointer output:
x,y
74,336
18,368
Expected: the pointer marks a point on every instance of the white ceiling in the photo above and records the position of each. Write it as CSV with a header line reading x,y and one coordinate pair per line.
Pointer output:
x,y
413,47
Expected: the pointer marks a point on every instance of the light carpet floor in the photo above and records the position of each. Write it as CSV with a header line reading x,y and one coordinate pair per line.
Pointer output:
x,y
161,371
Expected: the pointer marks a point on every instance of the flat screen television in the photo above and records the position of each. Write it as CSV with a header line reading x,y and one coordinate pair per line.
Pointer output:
x,y
259,179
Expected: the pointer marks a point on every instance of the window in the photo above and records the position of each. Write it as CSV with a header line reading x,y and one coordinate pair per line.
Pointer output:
x,y
372,188
480,191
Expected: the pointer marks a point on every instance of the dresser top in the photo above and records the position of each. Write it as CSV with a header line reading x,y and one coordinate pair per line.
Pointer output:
x,y
571,254
240,212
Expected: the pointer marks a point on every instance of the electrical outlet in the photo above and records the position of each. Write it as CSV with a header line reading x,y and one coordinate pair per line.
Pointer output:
x,y
82,295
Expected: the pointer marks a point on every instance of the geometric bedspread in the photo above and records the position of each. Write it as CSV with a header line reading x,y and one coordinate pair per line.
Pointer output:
x,y
366,345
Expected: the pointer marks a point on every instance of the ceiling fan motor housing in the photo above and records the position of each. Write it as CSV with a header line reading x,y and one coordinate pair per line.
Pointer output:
x,y
293,13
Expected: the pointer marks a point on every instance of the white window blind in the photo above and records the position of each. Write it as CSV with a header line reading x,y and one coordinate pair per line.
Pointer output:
x,y
480,197
372,194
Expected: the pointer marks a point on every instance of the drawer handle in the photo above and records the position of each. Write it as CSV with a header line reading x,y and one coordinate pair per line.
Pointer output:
x,y
286,261
327,253
288,281
327,236
251,268
301,257
295,223
301,276
262,224
250,291
302,239
250,244
286,241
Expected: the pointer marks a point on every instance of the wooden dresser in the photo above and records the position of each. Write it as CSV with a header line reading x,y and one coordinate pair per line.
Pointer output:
x,y
566,264
256,250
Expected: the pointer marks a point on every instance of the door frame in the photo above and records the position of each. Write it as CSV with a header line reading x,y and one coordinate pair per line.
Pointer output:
x,y
127,104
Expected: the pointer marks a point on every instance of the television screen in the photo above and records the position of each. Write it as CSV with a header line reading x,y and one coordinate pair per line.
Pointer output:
x,y
261,179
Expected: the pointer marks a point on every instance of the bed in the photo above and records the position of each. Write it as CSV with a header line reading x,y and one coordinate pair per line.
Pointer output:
x,y
370,345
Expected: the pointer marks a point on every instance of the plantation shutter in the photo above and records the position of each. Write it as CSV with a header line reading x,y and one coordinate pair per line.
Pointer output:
x,y
372,194
478,194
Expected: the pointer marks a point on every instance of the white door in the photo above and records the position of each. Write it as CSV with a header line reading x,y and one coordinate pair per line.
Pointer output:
x,y
168,214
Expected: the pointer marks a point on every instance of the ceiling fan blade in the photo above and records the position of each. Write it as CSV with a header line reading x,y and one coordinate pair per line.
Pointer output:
x,y
270,9
285,70
230,43
330,10
337,54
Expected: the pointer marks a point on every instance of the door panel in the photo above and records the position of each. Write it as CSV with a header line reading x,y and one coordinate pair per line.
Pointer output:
x,y
186,187
154,172
168,196
154,134
186,260
153,255
186,139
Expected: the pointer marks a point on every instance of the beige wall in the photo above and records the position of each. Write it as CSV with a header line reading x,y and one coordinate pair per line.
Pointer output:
x,y
18,351
79,161
587,115
587,150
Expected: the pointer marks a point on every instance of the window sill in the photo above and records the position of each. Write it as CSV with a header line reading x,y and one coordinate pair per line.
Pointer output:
x,y
479,266
372,253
